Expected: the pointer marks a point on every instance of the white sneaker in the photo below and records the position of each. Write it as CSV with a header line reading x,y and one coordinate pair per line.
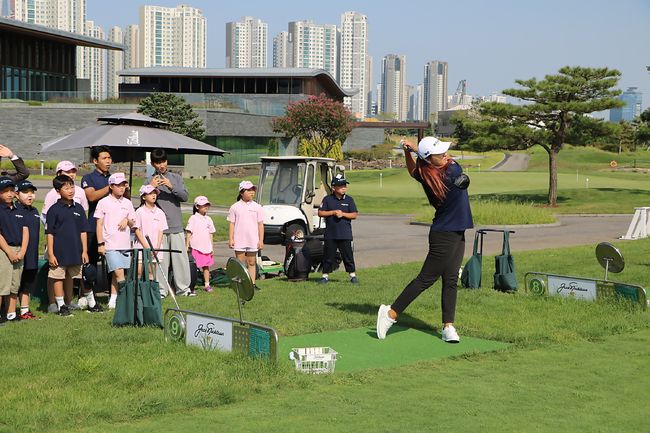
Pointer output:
x,y
384,322
82,303
53,308
450,335
111,305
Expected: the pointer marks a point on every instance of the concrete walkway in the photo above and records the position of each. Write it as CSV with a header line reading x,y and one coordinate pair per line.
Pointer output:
x,y
513,162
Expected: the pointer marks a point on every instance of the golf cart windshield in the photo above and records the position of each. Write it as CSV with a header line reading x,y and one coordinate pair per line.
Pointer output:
x,y
282,183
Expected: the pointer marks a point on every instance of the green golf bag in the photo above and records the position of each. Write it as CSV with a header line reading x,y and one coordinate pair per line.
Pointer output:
x,y
505,279
471,275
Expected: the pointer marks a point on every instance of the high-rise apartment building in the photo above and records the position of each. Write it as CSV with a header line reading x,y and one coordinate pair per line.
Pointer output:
x,y
309,45
352,62
281,51
132,50
369,70
435,89
93,66
393,76
246,43
172,36
114,63
633,99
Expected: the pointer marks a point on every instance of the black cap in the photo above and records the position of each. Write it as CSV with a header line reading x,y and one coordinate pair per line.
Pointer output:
x,y
339,180
24,185
89,273
6,182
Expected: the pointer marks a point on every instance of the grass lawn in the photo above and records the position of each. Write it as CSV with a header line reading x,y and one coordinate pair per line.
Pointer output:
x,y
80,374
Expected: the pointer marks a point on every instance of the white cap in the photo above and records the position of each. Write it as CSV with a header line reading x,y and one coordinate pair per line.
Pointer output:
x,y
432,146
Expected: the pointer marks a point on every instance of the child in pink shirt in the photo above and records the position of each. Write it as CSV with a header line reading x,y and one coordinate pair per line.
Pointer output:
x,y
246,232
52,196
150,221
115,215
199,237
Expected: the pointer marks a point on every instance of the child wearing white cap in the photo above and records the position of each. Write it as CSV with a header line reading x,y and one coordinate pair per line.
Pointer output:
x,y
200,230
246,230
115,216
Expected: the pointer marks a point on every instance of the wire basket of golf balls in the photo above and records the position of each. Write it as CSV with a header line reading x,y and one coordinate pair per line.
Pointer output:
x,y
315,360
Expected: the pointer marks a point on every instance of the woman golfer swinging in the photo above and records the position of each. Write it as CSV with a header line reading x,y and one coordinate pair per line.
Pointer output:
x,y
446,188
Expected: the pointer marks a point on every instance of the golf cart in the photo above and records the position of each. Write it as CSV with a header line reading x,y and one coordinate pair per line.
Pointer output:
x,y
291,188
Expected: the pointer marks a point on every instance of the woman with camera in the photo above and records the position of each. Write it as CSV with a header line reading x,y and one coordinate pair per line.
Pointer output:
x,y
445,185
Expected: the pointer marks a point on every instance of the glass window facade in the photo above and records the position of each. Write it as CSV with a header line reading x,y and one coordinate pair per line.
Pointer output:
x,y
34,68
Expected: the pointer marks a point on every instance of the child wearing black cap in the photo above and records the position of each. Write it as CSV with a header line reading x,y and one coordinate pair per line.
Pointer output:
x,y
25,193
14,238
339,210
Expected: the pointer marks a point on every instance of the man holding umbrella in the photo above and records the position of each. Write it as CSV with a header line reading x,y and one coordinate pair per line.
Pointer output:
x,y
172,194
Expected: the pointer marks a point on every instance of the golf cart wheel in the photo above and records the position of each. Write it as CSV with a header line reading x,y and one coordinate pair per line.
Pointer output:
x,y
297,230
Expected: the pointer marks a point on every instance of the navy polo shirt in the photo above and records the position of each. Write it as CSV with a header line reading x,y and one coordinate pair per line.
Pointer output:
x,y
453,214
32,220
66,222
335,227
11,225
97,181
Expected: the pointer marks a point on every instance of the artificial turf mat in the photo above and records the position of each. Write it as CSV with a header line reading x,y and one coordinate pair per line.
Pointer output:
x,y
360,349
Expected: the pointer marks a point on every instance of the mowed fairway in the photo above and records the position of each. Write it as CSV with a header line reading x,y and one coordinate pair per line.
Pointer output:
x,y
564,356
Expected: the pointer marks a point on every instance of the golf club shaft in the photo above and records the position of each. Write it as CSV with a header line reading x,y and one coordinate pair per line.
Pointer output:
x,y
171,290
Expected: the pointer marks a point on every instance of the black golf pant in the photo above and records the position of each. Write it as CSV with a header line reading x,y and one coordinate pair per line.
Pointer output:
x,y
345,247
445,256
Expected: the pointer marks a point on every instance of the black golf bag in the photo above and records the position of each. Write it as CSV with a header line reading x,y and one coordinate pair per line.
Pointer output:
x,y
194,272
297,260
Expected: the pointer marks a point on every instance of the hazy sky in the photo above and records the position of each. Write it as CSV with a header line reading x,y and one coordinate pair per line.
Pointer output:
x,y
489,43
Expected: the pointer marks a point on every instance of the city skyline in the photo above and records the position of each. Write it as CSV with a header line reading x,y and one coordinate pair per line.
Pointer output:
x,y
489,44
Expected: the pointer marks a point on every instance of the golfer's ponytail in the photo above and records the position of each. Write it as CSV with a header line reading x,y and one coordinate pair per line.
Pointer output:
x,y
433,178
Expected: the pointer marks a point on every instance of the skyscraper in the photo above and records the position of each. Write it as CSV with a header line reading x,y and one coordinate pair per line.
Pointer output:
x,y
352,63
435,89
309,45
132,50
246,43
393,75
281,50
632,109
115,62
172,36
93,67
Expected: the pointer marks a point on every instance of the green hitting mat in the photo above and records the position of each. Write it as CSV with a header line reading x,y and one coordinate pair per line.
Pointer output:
x,y
360,349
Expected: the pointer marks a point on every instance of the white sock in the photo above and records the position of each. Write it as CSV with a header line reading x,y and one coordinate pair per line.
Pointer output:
x,y
90,297
59,301
11,316
113,299
326,276
24,310
353,274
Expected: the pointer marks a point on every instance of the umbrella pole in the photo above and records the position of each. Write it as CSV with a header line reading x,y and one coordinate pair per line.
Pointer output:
x,y
130,168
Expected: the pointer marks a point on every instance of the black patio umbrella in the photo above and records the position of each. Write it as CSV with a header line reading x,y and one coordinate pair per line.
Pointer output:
x,y
133,133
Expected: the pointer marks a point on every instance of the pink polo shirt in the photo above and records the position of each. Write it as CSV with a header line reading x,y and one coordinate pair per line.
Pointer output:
x,y
151,222
246,216
201,227
52,197
114,210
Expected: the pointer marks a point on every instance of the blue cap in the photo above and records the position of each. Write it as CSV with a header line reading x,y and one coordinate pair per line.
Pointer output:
x,y
24,185
339,180
89,273
6,182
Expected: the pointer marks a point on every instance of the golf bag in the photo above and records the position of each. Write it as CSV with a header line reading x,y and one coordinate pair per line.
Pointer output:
x,y
297,260
194,272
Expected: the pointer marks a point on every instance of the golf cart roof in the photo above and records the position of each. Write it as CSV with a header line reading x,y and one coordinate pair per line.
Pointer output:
x,y
295,158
